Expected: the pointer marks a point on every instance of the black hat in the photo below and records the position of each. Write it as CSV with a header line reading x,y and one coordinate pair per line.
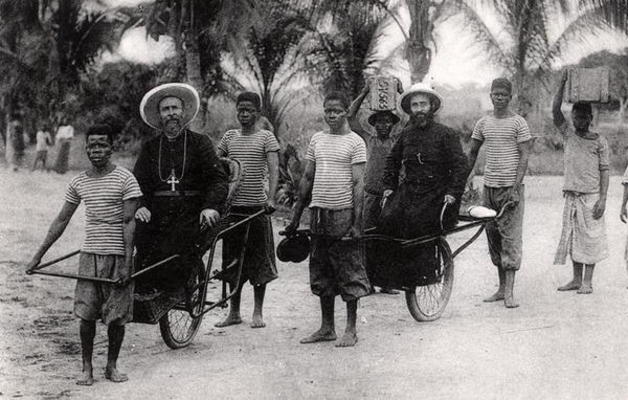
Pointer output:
x,y
394,116
295,248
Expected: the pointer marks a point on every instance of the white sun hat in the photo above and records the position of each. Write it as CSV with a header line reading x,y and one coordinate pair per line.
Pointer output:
x,y
149,106
404,99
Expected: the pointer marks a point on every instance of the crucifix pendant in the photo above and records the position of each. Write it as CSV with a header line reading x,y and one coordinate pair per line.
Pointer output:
x,y
172,180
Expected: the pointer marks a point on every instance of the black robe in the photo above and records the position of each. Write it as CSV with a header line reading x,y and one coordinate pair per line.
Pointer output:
x,y
425,164
174,227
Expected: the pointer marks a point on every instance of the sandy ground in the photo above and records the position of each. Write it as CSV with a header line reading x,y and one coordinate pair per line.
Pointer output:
x,y
555,346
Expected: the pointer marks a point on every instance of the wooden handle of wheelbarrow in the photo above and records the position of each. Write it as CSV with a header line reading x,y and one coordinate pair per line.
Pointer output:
x,y
49,263
153,266
442,216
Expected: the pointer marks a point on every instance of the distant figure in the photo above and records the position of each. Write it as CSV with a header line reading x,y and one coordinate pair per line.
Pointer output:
x,y
110,195
64,136
508,143
16,139
44,140
586,183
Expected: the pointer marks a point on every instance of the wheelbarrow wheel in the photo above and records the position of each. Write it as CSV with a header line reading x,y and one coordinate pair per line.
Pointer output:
x,y
178,327
427,303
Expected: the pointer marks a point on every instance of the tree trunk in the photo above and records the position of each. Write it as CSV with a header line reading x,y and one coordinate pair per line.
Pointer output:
x,y
418,54
194,78
623,104
193,62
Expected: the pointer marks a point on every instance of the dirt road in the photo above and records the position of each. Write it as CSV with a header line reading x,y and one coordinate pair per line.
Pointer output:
x,y
555,346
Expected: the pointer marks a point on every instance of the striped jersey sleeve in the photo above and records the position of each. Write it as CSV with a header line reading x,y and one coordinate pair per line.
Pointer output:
x,y
104,208
251,150
334,156
501,137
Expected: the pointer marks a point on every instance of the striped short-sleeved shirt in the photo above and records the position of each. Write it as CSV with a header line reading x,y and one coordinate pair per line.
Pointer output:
x,y
104,208
252,152
501,137
334,156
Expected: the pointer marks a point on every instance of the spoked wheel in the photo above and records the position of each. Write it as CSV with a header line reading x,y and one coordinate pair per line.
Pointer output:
x,y
177,326
427,303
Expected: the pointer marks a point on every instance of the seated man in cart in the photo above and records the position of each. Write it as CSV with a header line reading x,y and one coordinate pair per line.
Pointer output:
x,y
184,185
425,169
110,194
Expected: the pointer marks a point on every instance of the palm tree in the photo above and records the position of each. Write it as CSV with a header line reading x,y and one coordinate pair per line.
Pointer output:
x,y
614,12
524,47
200,30
268,57
343,48
46,45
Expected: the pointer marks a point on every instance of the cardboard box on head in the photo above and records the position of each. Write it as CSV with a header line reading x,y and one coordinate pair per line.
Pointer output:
x,y
383,93
588,84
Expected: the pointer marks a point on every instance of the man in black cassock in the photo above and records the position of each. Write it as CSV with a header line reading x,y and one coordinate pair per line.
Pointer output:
x,y
425,169
183,182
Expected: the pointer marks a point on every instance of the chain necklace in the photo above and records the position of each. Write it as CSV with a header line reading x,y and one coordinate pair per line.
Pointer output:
x,y
172,178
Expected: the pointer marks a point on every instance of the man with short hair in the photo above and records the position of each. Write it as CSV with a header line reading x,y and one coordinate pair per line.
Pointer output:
x,y
44,140
184,185
110,195
586,156
334,178
15,139
256,149
508,143
378,146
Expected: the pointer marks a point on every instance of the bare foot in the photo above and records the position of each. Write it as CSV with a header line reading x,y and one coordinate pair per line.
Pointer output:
x,y
230,320
573,285
113,375
87,379
510,302
499,295
585,289
319,336
349,339
257,322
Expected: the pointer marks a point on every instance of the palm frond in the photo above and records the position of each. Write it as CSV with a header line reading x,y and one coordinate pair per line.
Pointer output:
x,y
615,12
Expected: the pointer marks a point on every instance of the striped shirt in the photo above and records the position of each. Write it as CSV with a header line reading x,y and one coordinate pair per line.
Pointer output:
x,y
502,137
104,198
334,156
251,151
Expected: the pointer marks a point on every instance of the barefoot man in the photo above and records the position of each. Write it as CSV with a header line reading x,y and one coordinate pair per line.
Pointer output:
x,y
333,177
256,149
586,157
508,142
110,194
